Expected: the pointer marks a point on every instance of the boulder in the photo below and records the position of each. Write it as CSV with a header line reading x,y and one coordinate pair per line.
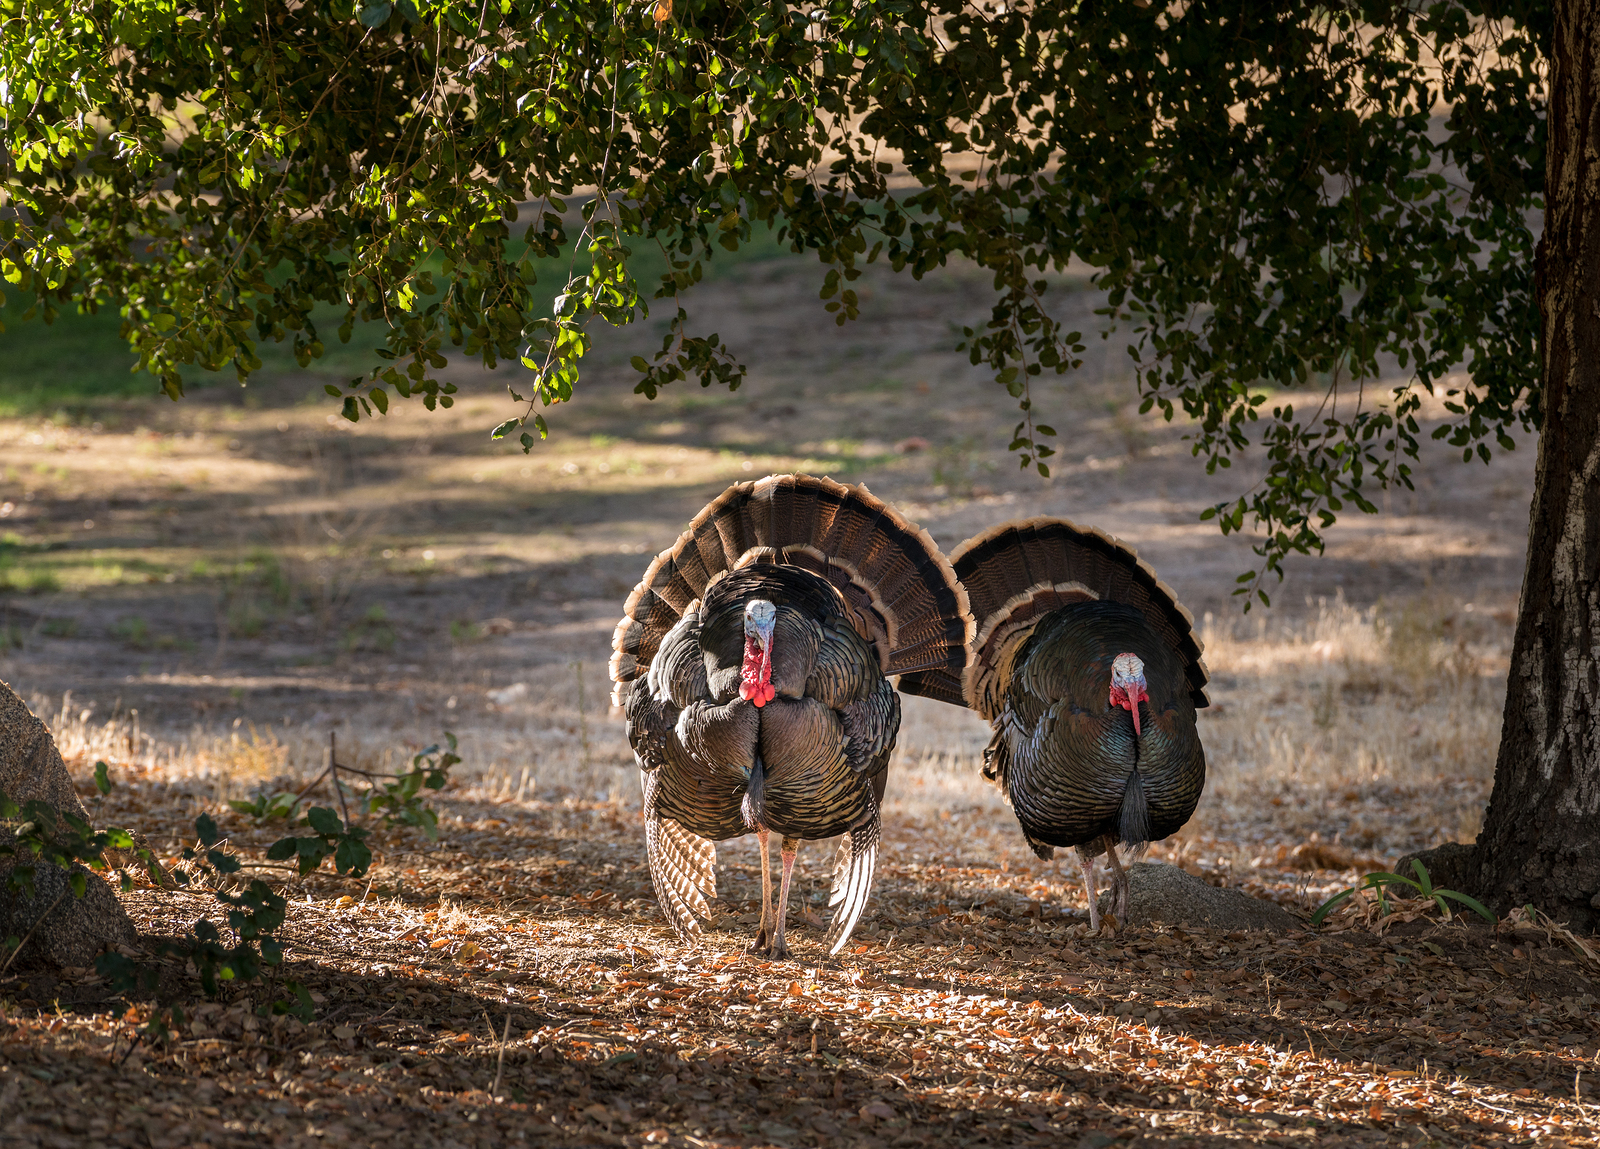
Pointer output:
x,y
30,765
57,928
1167,894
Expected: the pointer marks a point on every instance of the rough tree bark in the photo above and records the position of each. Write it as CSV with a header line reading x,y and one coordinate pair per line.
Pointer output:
x,y
1541,835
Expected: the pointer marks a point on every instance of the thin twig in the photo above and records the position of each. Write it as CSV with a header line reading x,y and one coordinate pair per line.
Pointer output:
x,y
500,1067
307,788
333,768
1036,1063
31,928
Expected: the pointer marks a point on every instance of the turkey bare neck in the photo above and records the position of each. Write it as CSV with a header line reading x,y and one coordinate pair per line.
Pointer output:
x,y
755,674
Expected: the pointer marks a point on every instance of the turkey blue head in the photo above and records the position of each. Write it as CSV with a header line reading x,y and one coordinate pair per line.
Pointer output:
x,y
1128,685
755,675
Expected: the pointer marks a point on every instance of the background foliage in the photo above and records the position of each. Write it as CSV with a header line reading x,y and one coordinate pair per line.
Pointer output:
x,y
1275,197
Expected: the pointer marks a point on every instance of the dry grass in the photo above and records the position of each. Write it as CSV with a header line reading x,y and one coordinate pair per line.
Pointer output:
x,y
1375,729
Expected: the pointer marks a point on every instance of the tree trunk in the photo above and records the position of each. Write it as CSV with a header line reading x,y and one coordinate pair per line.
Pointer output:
x,y
1541,834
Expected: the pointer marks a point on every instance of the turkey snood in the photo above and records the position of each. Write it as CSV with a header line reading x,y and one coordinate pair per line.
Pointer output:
x,y
1128,687
755,675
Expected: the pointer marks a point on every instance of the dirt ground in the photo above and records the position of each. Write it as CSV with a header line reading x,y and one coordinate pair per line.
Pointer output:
x,y
201,593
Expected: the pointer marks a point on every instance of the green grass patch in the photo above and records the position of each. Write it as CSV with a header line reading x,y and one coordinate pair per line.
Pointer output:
x,y
65,365
47,567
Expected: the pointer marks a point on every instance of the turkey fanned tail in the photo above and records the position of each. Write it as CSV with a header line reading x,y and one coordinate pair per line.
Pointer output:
x,y
852,881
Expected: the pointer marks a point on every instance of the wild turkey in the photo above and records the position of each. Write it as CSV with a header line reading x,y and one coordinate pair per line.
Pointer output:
x,y
752,662
1089,671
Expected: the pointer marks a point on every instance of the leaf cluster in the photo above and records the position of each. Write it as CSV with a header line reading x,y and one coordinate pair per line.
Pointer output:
x,y
1421,886
399,798
1268,194
43,835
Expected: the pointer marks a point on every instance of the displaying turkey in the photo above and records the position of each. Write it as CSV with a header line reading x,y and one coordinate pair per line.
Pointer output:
x,y
752,662
1088,669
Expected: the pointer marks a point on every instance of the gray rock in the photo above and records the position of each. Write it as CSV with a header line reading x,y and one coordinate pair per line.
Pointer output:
x,y
65,930
1167,894
30,765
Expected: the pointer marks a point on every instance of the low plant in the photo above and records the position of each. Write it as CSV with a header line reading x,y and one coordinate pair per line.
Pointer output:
x,y
398,797
134,631
43,835
1386,884
400,800
46,836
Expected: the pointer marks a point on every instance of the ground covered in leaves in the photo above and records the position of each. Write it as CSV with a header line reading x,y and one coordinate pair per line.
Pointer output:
x,y
514,982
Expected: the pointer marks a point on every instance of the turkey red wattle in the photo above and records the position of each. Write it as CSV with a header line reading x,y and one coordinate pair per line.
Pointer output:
x,y
1128,687
755,675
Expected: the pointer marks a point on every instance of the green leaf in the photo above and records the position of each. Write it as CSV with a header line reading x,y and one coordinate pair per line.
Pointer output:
x,y
375,12
352,857
102,779
324,821
1471,903
1424,883
1326,907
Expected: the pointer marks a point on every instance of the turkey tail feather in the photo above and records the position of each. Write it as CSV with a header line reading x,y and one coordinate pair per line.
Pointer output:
x,y
1133,820
1018,572
683,865
683,869
898,588
852,881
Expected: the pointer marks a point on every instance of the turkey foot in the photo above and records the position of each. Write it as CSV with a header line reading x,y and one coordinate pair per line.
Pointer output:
x,y
762,943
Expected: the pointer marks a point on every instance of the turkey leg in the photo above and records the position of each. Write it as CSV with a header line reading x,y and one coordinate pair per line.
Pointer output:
x,y
764,934
787,851
1120,885
1086,864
